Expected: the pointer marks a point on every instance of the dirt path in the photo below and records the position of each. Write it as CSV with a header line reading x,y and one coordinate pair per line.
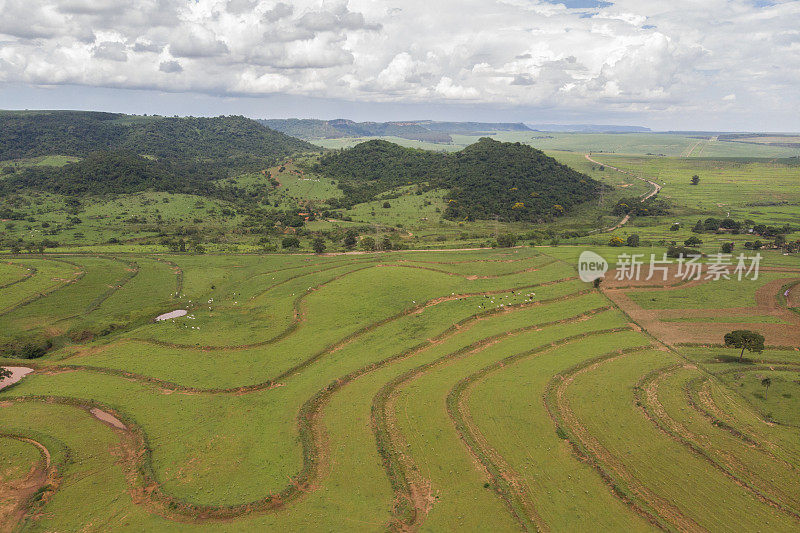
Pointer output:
x,y
656,186
624,220
671,333
692,148
15,495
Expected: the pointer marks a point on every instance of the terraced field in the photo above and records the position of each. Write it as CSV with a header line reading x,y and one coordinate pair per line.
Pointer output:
x,y
483,390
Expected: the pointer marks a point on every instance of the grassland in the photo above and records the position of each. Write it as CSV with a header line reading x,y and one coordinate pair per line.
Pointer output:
x,y
658,144
405,390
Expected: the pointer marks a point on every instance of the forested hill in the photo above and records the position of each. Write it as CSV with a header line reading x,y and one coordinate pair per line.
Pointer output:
x,y
124,153
77,133
488,179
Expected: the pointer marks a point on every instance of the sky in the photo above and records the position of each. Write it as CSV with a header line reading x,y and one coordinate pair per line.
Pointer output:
x,y
731,65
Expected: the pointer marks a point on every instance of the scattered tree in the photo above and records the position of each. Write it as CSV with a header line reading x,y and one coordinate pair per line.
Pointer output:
x,y
368,244
319,245
386,205
766,382
506,240
616,241
727,247
746,340
4,372
351,239
290,242
633,240
692,241
695,179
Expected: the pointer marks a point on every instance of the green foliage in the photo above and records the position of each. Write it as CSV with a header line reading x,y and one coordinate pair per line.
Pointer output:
x,y
290,243
165,154
636,207
746,340
633,240
506,240
30,348
351,239
4,373
487,180
318,244
367,244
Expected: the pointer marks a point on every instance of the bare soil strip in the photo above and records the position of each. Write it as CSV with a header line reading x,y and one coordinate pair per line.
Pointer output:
x,y
650,505
673,333
408,512
699,398
17,497
647,394
136,454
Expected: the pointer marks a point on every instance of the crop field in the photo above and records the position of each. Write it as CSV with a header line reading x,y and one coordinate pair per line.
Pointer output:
x,y
435,390
655,144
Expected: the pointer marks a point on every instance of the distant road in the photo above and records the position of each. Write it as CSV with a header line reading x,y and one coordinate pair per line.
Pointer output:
x,y
626,218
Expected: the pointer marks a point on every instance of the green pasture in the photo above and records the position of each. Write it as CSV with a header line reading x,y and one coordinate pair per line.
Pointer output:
x,y
356,359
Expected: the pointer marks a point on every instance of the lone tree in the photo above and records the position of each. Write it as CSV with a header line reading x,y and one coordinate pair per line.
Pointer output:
x,y
746,340
4,373
290,242
506,240
351,239
368,244
695,179
766,382
319,245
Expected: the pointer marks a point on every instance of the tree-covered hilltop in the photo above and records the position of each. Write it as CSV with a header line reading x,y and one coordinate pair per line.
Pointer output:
x,y
106,172
58,132
488,179
123,153
233,142
229,141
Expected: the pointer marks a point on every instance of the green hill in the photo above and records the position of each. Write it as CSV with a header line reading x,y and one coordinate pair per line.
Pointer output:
x,y
125,153
510,181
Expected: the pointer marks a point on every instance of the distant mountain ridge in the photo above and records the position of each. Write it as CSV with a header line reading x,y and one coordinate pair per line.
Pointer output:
x,y
588,128
418,130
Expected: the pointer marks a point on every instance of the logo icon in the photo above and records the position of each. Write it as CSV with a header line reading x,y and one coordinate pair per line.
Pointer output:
x,y
591,266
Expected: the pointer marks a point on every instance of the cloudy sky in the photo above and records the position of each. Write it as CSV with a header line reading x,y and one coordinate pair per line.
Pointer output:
x,y
667,64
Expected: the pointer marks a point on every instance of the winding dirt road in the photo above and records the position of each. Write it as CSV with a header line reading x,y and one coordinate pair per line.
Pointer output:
x,y
626,218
